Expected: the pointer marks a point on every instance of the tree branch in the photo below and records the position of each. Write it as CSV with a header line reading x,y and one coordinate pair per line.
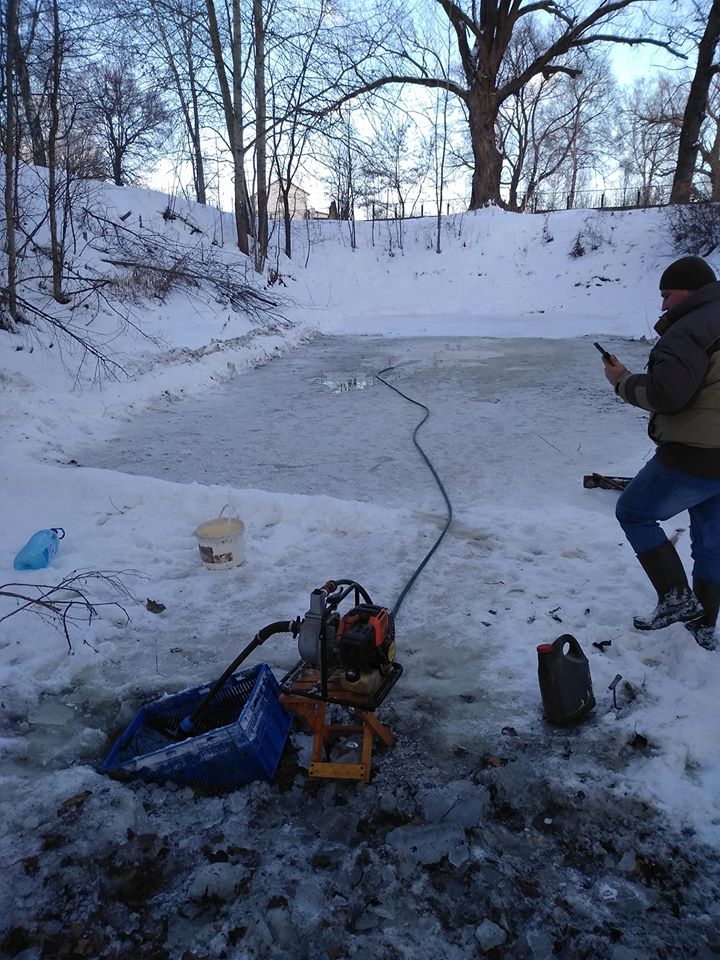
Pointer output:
x,y
461,24
572,39
67,601
103,362
386,81
629,41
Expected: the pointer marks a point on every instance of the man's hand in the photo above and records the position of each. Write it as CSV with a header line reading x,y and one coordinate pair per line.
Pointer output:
x,y
613,369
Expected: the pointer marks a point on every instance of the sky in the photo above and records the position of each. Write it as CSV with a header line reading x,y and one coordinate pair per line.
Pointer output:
x,y
287,425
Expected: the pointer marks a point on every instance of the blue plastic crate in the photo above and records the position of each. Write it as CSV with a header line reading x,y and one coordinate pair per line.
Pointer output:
x,y
240,736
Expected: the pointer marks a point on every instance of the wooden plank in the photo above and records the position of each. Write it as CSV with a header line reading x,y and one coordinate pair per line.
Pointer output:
x,y
379,729
340,771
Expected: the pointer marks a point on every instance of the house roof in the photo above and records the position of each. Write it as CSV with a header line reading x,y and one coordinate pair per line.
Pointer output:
x,y
275,183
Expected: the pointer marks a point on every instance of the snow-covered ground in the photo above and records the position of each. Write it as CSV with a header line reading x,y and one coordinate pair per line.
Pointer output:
x,y
484,830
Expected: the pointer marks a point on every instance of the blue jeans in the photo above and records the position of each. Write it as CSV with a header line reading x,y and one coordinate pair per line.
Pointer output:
x,y
659,493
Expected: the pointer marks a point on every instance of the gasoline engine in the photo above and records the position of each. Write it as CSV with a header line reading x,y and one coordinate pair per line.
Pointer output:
x,y
355,649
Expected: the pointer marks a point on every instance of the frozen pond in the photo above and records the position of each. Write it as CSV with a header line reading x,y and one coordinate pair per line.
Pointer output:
x,y
306,423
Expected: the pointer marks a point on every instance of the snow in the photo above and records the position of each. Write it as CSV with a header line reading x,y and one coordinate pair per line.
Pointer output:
x,y
288,425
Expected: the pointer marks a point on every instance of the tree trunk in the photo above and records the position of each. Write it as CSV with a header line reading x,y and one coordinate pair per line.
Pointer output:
x,y
261,244
31,115
117,167
198,159
11,290
695,109
192,118
57,247
232,107
24,89
574,157
242,207
711,157
515,180
482,112
440,171
287,218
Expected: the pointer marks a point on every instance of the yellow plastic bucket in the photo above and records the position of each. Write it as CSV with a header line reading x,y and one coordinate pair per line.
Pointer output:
x,y
221,542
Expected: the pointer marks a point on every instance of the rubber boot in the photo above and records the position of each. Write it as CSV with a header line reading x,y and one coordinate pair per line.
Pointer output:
x,y
703,629
676,601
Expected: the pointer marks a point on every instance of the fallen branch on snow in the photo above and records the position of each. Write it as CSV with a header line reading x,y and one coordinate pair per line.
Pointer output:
x,y
68,602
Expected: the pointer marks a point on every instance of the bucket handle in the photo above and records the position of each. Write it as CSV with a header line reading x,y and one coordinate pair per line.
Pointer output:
x,y
226,519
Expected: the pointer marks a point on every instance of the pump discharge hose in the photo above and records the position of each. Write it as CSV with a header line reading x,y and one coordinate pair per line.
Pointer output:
x,y
439,482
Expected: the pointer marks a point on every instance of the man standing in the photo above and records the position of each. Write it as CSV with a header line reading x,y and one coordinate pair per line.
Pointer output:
x,y
681,389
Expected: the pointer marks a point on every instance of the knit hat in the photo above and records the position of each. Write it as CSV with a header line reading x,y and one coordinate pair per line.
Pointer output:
x,y
687,273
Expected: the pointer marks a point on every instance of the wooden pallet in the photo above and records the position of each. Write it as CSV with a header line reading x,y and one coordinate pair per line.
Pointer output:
x,y
314,712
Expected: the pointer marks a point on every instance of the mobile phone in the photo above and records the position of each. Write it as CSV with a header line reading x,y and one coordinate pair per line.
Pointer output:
x,y
603,351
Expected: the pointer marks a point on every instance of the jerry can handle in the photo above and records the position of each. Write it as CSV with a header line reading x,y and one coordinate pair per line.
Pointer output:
x,y
567,638
557,646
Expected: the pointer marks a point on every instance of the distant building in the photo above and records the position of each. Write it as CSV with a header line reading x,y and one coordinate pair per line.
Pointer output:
x,y
299,207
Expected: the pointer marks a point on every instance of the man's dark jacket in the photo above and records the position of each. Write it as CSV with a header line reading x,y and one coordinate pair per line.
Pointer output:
x,y
682,385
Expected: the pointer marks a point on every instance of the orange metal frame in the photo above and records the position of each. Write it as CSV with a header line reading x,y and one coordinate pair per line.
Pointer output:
x,y
314,712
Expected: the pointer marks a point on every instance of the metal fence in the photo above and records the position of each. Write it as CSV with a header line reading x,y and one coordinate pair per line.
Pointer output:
x,y
613,198
616,198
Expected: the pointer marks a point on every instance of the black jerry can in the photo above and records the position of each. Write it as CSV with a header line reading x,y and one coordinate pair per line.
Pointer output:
x,y
565,684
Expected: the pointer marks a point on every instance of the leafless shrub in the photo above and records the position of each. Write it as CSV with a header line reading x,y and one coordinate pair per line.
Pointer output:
x,y
695,227
155,266
593,234
143,281
578,248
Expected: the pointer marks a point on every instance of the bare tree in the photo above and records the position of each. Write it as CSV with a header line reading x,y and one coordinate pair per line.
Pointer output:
x,y
10,159
231,88
648,123
171,39
709,145
176,27
29,58
53,34
261,239
294,81
49,46
341,157
390,164
696,105
439,151
131,121
549,133
483,30
57,245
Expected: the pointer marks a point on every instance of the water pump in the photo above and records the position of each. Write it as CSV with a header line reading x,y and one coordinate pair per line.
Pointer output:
x,y
348,659
355,650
